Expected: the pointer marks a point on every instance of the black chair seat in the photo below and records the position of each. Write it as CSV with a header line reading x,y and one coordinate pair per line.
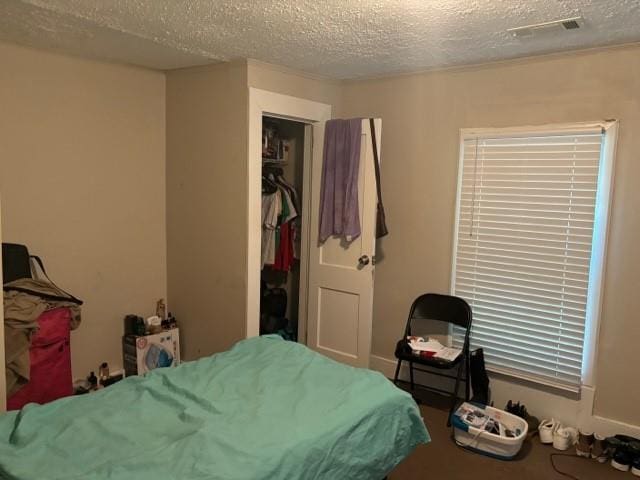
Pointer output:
x,y
405,353
447,309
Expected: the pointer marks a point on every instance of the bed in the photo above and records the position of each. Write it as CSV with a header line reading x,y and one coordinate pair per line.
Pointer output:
x,y
266,409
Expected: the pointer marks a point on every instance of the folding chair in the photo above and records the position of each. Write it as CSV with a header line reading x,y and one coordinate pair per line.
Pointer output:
x,y
450,310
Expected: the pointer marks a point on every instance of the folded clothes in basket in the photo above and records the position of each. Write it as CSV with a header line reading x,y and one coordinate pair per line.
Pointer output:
x,y
479,418
488,431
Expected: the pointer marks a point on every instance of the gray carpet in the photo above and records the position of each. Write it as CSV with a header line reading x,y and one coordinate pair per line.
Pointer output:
x,y
442,459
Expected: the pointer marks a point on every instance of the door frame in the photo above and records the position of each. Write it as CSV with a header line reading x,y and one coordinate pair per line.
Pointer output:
x,y
3,381
263,102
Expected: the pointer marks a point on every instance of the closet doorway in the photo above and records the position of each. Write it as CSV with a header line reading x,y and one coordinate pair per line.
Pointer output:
x,y
286,154
335,284
282,132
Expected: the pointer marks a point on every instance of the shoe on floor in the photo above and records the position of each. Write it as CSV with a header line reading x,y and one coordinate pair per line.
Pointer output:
x,y
585,444
621,460
599,449
521,411
546,430
564,437
532,423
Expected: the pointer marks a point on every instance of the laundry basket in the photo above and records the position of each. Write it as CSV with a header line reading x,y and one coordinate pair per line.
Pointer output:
x,y
488,430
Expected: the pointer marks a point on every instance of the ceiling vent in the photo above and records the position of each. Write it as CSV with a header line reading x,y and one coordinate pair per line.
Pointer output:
x,y
573,23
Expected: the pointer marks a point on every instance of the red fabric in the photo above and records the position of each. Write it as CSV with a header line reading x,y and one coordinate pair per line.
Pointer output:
x,y
284,254
50,356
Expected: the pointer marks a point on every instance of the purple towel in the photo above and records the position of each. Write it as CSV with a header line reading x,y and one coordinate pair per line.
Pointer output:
x,y
339,209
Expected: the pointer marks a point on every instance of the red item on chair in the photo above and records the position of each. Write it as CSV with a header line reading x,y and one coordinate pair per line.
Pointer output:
x,y
50,355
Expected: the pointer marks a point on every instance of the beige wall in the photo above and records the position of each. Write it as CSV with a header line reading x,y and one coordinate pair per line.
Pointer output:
x,y
207,204
287,82
207,141
422,115
82,180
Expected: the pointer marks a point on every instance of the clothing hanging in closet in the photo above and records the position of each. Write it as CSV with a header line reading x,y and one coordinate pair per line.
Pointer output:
x,y
280,222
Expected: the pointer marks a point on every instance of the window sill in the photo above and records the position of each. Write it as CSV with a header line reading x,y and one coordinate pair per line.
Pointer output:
x,y
570,392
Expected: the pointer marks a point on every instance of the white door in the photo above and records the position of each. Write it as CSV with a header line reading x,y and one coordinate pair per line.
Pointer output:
x,y
340,288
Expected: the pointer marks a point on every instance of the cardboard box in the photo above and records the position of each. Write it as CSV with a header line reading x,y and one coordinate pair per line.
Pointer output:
x,y
144,353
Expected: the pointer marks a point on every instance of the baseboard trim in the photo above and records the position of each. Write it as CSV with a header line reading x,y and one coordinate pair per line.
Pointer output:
x,y
383,365
577,413
608,426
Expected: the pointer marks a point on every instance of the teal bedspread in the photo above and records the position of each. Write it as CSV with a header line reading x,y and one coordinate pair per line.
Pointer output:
x,y
266,409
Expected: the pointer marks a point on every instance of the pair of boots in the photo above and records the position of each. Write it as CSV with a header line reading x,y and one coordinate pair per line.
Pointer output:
x,y
521,411
592,445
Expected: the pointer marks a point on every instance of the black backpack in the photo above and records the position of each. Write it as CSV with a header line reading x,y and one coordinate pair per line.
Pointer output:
x,y
15,262
274,302
479,378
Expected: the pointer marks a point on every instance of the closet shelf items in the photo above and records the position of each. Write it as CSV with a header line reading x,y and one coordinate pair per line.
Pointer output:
x,y
274,148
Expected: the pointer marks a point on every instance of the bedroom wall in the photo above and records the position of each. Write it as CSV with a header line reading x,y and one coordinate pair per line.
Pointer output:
x,y
207,128
282,80
422,115
207,204
82,180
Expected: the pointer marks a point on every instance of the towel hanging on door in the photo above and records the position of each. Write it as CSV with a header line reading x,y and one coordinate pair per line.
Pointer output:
x,y
339,208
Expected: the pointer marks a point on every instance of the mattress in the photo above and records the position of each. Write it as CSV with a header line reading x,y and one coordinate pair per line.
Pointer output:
x,y
266,409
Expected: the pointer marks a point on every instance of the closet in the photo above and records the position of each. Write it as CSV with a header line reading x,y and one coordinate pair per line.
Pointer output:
x,y
329,285
284,154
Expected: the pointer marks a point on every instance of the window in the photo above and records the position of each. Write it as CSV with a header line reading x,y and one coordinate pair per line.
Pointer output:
x,y
530,204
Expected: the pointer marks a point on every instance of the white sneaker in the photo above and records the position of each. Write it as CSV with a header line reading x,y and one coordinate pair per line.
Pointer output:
x,y
564,437
620,463
546,430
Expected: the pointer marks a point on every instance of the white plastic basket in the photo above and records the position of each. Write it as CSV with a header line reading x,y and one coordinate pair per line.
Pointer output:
x,y
487,443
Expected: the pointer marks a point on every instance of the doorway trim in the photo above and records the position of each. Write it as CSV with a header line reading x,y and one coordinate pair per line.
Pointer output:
x,y
263,102
3,381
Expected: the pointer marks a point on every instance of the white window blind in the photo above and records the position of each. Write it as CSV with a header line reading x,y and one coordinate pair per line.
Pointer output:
x,y
523,249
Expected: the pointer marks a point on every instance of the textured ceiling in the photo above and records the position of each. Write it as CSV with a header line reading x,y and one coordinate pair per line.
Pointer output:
x,y
335,38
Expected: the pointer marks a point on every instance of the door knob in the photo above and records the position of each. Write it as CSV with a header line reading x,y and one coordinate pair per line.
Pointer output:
x,y
363,260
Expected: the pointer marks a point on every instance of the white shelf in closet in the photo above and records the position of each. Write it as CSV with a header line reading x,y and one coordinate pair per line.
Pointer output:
x,y
271,162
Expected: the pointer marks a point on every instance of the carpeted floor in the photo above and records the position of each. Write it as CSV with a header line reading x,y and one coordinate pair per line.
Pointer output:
x,y
442,459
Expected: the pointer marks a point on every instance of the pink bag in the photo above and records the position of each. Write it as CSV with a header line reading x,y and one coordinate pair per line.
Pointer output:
x,y
50,356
